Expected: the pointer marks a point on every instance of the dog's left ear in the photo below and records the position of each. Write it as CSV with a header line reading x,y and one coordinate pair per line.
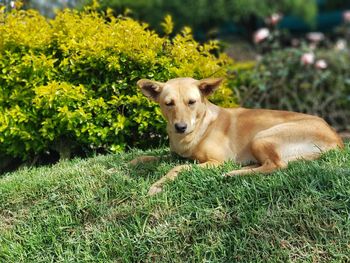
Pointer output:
x,y
209,85
150,88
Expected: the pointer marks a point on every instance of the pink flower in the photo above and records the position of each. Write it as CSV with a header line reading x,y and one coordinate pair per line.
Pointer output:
x,y
260,35
346,16
273,19
315,36
340,44
12,4
307,58
321,64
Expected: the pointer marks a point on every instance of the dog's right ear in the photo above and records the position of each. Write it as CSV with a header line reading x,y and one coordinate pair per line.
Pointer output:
x,y
150,88
209,85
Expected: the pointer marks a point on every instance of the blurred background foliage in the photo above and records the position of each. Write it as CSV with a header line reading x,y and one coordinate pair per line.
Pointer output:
x,y
221,18
205,16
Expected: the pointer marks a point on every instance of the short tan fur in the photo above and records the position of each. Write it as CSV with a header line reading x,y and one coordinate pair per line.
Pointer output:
x,y
202,131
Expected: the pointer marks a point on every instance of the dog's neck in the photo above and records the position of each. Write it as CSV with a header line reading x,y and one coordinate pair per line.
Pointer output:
x,y
184,145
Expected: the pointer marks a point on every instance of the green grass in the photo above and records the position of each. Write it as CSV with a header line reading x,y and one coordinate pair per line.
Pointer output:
x,y
97,210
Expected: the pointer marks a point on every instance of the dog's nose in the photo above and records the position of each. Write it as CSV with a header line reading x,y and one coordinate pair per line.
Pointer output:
x,y
180,127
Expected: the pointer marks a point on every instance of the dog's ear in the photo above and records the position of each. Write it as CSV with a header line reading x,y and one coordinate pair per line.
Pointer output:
x,y
150,88
208,86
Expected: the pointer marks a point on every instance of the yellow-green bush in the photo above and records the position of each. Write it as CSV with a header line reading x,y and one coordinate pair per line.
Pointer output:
x,y
69,82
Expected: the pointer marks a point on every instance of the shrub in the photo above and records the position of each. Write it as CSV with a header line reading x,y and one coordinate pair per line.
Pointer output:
x,y
69,83
281,81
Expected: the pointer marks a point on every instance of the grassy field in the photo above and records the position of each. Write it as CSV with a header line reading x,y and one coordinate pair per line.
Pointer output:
x,y
97,210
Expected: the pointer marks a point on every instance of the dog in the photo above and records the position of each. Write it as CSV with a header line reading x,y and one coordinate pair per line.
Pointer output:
x,y
264,140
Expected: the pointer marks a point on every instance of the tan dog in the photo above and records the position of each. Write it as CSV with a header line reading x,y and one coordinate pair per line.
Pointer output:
x,y
210,134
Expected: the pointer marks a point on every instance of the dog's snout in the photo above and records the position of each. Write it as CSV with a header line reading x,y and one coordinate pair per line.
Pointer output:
x,y
180,127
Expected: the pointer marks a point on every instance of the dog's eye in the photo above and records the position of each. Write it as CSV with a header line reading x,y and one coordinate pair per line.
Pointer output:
x,y
191,102
170,103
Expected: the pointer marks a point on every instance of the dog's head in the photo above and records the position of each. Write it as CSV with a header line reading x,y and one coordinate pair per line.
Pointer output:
x,y
182,100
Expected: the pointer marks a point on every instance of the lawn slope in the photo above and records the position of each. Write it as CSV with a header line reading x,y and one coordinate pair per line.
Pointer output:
x,y
97,210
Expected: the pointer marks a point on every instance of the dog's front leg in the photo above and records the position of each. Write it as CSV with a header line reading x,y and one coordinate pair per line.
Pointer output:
x,y
157,187
144,159
149,159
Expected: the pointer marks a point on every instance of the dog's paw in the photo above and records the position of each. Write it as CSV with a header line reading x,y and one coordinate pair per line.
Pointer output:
x,y
133,162
230,174
143,159
154,190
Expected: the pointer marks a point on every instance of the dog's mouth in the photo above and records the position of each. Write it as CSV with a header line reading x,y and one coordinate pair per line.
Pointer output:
x,y
183,133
